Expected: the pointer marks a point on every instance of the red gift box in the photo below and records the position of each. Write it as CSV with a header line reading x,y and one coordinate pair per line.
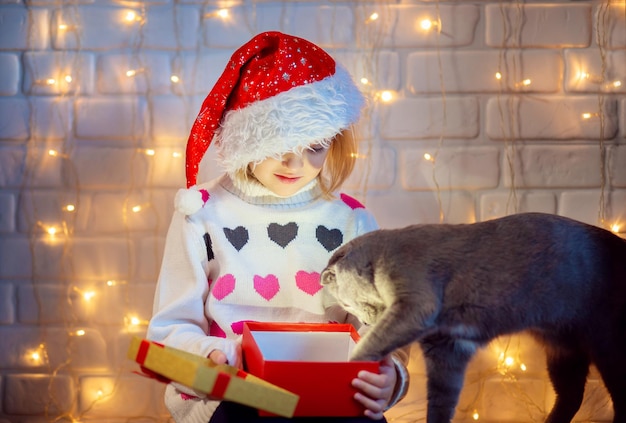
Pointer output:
x,y
310,360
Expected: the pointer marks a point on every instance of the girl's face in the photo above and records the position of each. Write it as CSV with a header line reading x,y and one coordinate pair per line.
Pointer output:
x,y
287,175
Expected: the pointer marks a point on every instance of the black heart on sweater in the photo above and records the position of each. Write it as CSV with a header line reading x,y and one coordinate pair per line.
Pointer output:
x,y
329,238
238,237
282,234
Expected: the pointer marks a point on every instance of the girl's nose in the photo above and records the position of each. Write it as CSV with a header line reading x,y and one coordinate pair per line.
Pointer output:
x,y
292,160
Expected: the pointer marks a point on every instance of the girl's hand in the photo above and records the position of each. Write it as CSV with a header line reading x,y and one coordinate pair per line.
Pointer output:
x,y
376,389
219,357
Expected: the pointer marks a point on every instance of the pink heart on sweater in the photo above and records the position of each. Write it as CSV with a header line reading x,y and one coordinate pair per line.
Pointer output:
x,y
224,285
308,282
267,286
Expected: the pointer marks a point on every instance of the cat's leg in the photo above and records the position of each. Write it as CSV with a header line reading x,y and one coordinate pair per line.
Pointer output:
x,y
397,328
446,362
568,370
612,368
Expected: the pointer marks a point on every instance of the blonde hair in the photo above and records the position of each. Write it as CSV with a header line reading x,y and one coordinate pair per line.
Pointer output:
x,y
338,165
339,162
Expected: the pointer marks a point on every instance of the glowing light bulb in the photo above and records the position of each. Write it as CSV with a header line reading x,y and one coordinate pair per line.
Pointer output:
x,y
475,415
136,209
615,228
509,361
52,231
80,332
51,81
526,82
426,24
386,96
373,17
111,282
70,207
175,79
586,115
131,73
365,81
498,75
63,27
617,84
131,16
583,75
88,295
36,356
68,78
523,367
177,154
429,157
53,153
223,14
149,152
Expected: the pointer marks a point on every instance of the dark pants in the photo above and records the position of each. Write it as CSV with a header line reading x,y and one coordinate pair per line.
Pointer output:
x,y
230,412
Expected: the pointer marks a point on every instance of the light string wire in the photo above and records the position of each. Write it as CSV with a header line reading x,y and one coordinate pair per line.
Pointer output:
x,y
444,114
29,188
602,16
27,200
509,123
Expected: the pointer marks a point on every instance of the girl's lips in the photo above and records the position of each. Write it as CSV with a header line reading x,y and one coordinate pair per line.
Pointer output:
x,y
288,179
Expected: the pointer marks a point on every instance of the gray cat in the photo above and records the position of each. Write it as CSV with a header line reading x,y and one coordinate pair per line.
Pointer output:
x,y
454,288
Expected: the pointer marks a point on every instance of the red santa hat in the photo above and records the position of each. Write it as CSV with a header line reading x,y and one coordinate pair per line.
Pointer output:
x,y
278,94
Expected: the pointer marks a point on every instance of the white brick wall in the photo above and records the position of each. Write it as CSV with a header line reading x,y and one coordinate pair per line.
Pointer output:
x,y
547,135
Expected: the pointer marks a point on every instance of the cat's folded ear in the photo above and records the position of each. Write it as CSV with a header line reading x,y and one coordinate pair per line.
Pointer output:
x,y
328,277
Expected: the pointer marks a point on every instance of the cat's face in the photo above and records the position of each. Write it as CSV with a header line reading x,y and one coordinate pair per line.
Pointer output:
x,y
349,277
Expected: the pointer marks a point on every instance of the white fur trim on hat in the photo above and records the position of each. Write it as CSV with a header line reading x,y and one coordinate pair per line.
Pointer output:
x,y
289,121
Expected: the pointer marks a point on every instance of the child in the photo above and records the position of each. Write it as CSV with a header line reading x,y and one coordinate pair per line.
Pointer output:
x,y
249,246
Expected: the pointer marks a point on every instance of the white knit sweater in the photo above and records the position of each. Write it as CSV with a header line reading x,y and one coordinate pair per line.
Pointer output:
x,y
247,255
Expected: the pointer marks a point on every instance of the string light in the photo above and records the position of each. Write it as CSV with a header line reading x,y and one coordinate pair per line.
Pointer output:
x,y
131,16
222,14
386,96
371,18
39,355
87,295
428,24
55,153
588,115
133,72
36,356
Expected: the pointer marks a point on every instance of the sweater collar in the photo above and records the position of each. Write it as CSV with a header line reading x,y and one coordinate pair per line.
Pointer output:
x,y
253,192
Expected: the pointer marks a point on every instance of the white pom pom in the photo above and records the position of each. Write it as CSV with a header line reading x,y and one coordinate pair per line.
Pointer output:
x,y
188,201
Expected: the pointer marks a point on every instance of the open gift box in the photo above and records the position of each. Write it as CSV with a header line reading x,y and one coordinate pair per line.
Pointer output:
x,y
310,360
168,364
